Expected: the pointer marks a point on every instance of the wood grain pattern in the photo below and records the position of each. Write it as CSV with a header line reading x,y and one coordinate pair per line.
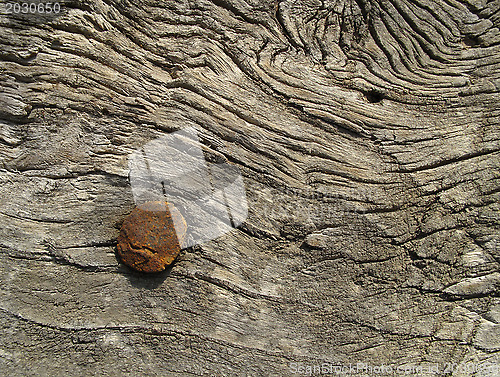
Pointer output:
x,y
367,135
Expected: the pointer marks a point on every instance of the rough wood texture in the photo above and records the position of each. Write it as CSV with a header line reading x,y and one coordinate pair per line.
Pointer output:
x,y
368,136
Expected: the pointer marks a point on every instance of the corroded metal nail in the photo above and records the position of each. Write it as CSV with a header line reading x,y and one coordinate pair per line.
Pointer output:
x,y
151,236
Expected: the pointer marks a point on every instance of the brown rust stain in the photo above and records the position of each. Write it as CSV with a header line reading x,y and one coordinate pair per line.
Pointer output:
x,y
148,240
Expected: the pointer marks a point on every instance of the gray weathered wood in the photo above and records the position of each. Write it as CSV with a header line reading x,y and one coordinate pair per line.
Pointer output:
x,y
367,135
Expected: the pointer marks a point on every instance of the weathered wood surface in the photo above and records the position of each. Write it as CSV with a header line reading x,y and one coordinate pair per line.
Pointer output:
x,y
368,136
